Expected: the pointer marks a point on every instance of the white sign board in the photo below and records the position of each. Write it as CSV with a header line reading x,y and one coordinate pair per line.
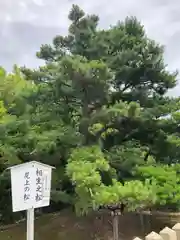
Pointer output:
x,y
30,185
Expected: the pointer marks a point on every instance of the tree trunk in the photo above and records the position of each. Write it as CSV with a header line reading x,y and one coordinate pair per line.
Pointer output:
x,y
142,218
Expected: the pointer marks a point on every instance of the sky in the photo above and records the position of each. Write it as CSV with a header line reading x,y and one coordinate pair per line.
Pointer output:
x,y
26,24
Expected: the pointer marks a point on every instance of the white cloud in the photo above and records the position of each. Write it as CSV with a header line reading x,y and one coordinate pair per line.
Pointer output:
x,y
25,24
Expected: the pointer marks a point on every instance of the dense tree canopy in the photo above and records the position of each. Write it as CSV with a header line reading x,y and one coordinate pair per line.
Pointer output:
x,y
97,110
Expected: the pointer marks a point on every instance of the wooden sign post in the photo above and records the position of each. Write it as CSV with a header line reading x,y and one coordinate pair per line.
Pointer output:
x,y
30,187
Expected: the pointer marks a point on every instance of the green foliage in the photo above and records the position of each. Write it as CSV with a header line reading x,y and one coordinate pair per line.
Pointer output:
x,y
92,193
135,195
98,112
125,158
167,184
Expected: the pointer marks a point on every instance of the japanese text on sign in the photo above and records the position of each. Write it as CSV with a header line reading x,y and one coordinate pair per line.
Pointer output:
x,y
39,185
26,186
33,180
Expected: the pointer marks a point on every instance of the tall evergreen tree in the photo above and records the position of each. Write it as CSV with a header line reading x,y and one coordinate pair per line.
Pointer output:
x,y
95,110
113,83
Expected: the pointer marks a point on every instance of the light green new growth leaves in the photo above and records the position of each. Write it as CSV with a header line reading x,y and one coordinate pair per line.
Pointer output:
x,y
135,194
167,183
84,168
